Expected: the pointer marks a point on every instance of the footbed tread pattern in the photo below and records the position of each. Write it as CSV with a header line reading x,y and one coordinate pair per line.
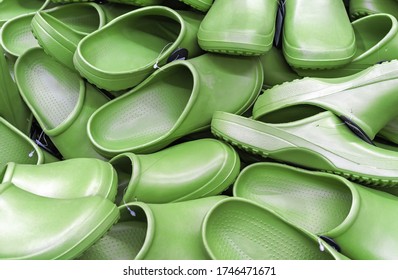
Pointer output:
x,y
250,233
361,179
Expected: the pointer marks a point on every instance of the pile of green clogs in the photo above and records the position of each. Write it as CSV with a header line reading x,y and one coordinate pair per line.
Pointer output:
x,y
199,129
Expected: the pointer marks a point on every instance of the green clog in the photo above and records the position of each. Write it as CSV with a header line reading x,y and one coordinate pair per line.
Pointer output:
x,y
73,178
127,50
156,232
345,213
237,229
59,30
361,8
16,35
239,27
276,69
60,101
317,34
367,99
36,227
178,99
320,142
377,41
12,8
201,5
12,107
17,147
186,171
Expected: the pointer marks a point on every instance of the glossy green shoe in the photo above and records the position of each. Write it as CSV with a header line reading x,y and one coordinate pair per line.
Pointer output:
x,y
59,30
361,8
186,171
345,213
73,178
12,107
113,61
239,27
238,229
36,227
201,5
367,99
317,34
178,99
17,147
276,69
169,231
13,8
60,101
377,41
320,142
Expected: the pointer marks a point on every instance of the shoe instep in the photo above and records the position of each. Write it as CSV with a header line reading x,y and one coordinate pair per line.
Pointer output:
x,y
186,171
345,213
60,100
169,231
36,227
178,99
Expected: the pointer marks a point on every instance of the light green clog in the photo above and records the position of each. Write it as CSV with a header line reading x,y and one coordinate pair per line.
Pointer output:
x,y
239,27
237,229
127,50
60,101
317,34
358,220
68,179
36,227
169,231
186,171
178,99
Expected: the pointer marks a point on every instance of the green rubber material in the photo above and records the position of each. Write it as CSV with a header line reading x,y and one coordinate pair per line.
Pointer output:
x,y
32,227
319,142
368,98
201,5
63,106
17,147
59,30
239,27
326,205
141,3
169,231
317,34
361,8
186,171
176,100
238,229
12,107
377,41
68,179
12,8
276,69
113,61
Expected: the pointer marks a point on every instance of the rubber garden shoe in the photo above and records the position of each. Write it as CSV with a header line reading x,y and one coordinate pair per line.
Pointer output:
x,y
366,100
59,30
60,101
317,34
377,41
12,8
344,213
237,229
36,227
186,171
113,61
176,100
12,107
73,178
320,142
169,231
276,69
240,27
361,8
201,5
